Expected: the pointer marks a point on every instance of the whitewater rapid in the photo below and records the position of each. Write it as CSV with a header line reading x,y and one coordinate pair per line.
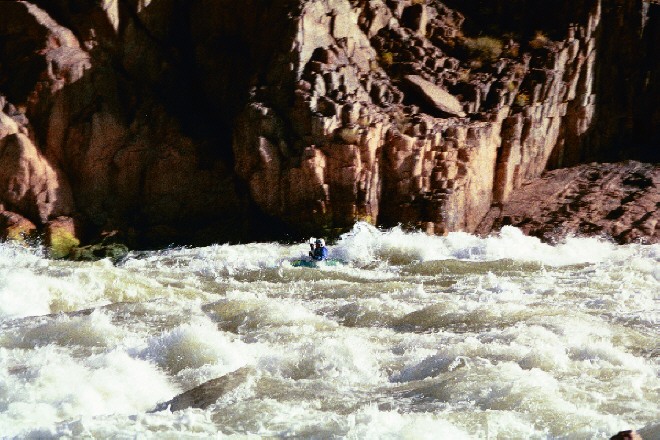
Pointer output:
x,y
414,337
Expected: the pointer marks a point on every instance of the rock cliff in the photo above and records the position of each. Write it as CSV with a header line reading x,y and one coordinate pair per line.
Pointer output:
x,y
207,120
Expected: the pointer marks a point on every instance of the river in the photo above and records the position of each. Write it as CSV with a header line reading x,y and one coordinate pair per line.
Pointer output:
x,y
414,337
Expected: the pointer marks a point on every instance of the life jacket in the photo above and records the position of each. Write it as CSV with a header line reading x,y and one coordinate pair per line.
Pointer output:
x,y
320,253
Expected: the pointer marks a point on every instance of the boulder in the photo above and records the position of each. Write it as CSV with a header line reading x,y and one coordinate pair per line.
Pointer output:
x,y
15,227
209,392
435,96
93,252
617,201
61,237
626,435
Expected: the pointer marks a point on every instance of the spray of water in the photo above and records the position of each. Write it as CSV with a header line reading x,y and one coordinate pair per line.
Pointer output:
x,y
411,337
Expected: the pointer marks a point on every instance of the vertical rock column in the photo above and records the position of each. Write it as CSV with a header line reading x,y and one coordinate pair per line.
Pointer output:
x,y
316,164
550,129
442,181
579,64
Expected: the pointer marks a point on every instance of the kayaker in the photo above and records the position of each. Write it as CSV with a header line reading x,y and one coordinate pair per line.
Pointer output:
x,y
319,252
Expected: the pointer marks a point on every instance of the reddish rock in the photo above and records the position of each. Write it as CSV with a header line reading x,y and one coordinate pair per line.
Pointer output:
x,y
177,117
618,201
126,157
29,184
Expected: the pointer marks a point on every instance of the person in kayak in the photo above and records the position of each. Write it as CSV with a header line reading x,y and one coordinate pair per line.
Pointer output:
x,y
319,252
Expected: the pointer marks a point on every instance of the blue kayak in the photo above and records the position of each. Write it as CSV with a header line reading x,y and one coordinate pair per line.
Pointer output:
x,y
314,263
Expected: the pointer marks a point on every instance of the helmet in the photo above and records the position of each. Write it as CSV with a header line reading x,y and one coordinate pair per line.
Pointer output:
x,y
320,241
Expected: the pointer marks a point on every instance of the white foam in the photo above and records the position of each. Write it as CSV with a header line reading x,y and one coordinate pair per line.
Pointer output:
x,y
242,312
219,260
195,345
342,359
512,243
524,351
91,330
22,294
366,243
370,423
50,385
184,424
13,254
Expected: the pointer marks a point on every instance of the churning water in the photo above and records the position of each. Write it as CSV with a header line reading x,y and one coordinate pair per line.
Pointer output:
x,y
414,337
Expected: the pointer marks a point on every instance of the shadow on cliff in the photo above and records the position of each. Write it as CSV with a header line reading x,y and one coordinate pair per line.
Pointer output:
x,y
627,90
144,135
521,19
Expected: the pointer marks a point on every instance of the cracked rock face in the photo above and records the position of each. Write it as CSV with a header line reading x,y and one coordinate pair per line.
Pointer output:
x,y
402,130
211,120
440,99
616,201
29,183
90,128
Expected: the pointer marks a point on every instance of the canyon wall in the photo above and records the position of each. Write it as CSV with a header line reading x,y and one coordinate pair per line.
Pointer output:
x,y
173,121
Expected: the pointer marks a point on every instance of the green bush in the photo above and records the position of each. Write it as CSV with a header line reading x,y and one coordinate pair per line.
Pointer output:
x,y
483,48
387,58
522,99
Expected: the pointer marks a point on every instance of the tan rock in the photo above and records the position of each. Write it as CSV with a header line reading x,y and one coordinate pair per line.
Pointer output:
x,y
435,96
29,183
415,17
7,125
380,17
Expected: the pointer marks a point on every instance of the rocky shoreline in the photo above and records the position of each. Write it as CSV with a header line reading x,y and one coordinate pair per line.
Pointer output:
x,y
614,201
163,122
618,201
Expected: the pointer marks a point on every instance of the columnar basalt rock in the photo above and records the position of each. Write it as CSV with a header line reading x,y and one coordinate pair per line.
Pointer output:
x,y
473,140
325,171
184,119
627,89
